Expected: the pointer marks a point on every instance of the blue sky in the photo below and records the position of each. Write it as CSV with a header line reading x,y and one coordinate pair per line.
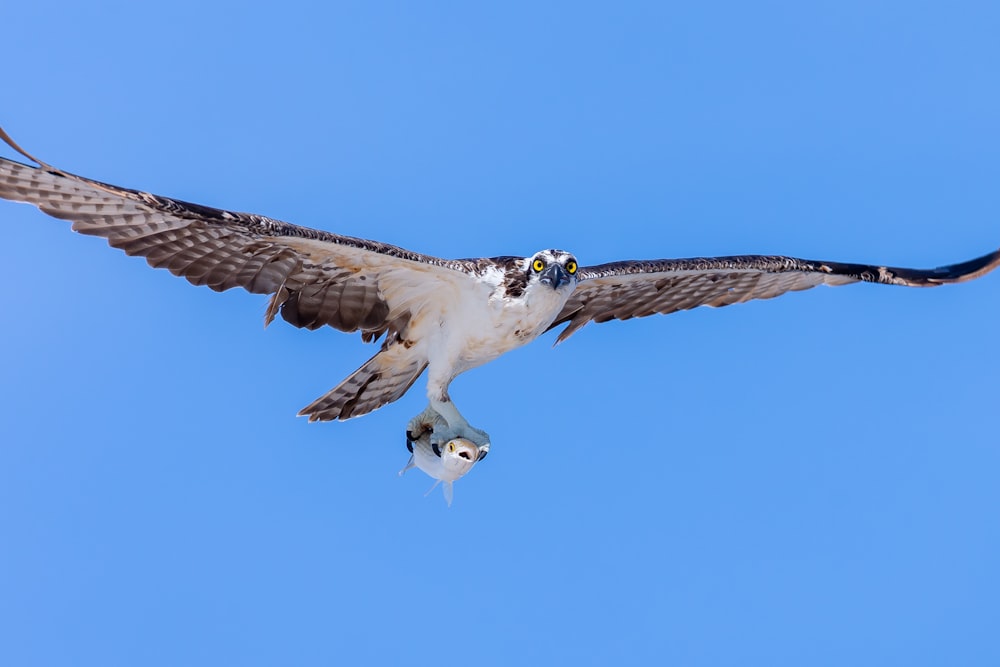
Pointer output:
x,y
810,480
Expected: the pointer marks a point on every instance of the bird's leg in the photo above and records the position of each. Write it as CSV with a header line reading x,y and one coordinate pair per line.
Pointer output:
x,y
441,409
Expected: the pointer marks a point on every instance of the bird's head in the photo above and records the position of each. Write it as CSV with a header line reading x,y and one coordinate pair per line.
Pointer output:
x,y
555,268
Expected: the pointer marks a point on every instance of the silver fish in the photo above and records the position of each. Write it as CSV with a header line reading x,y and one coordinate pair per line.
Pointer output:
x,y
446,461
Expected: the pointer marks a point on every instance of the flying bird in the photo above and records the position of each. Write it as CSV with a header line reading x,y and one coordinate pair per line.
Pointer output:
x,y
442,316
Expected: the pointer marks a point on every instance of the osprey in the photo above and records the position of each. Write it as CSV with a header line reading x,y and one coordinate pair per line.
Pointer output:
x,y
443,316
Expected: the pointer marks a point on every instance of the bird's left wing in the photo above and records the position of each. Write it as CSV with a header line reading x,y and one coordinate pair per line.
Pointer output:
x,y
315,277
623,290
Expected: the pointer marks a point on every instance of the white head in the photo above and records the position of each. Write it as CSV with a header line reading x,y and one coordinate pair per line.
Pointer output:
x,y
555,268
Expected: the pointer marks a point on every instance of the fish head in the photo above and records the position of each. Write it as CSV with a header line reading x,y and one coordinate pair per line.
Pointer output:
x,y
444,460
458,455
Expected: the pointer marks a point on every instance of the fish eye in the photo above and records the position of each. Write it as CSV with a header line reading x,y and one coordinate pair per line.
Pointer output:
x,y
538,265
451,447
571,267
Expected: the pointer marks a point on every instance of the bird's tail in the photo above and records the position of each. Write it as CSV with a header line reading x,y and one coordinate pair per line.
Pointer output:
x,y
380,381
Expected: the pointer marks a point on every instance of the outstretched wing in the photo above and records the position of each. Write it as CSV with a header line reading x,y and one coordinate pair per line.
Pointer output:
x,y
315,277
622,290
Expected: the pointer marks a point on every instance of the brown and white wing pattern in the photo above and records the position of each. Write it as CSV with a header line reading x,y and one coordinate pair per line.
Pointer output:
x,y
316,278
623,290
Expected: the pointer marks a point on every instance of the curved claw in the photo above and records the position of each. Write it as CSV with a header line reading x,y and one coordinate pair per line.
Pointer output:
x,y
423,423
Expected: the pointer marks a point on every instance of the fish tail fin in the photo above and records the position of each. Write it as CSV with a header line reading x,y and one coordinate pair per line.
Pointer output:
x,y
381,380
447,486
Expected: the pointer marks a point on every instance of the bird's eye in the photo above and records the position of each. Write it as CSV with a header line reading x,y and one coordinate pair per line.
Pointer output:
x,y
571,267
538,265
451,446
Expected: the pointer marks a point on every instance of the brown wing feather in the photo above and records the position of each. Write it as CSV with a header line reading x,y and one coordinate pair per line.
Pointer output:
x,y
317,278
622,290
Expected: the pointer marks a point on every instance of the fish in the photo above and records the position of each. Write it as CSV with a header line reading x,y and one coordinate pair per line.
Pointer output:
x,y
446,461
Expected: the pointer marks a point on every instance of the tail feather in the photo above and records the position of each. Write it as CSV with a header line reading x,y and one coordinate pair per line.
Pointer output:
x,y
381,380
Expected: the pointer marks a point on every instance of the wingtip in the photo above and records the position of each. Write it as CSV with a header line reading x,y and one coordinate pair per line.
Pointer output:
x,y
13,144
970,270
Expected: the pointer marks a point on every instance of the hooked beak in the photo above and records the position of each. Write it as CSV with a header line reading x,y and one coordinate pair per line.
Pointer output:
x,y
554,275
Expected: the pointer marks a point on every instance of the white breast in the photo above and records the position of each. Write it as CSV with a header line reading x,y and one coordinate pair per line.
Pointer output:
x,y
460,324
483,329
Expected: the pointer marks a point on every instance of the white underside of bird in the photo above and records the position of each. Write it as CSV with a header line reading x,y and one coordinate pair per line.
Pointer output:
x,y
471,328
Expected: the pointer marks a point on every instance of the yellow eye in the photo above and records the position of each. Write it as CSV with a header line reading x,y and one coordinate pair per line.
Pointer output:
x,y
451,446
571,267
538,265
